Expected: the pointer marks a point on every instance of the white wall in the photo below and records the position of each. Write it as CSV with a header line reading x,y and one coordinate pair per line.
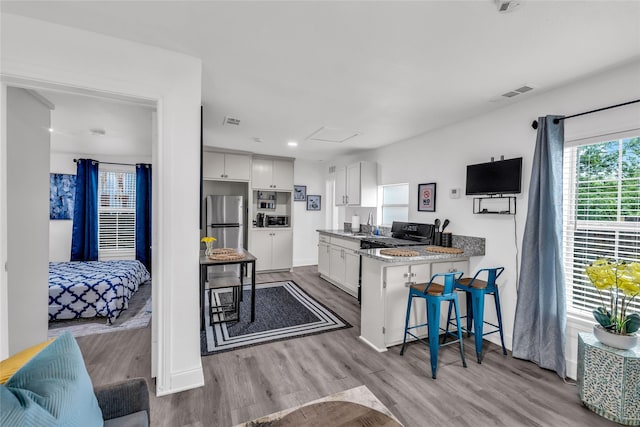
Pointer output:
x,y
39,54
441,157
60,230
305,223
28,206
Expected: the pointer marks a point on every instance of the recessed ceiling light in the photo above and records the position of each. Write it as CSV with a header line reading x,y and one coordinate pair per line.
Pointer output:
x,y
292,144
50,129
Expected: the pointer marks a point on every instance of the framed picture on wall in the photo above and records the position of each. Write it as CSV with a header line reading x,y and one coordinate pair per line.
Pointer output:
x,y
62,191
427,197
299,193
313,203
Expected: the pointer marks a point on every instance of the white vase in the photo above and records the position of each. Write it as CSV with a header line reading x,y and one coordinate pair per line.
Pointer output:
x,y
619,341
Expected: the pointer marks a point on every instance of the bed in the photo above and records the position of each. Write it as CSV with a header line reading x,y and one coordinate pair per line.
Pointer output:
x,y
84,289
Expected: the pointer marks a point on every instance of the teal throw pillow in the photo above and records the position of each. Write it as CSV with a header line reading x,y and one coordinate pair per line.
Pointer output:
x,y
52,389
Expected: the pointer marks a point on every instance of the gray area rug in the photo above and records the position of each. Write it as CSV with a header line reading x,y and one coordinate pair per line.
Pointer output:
x,y
138,315
283,311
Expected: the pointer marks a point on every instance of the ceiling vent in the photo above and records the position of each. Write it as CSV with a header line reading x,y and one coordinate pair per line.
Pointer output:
x,y
326,134
505,6
519,91
231,121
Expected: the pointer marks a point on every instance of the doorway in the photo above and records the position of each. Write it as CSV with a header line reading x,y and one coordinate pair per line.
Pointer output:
x,y
81,125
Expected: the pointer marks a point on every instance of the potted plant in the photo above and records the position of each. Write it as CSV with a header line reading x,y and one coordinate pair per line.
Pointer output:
x,y
618,283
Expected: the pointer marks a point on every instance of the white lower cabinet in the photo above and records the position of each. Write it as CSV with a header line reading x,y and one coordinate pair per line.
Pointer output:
x,y
273,249
339,263
324,260
385,292
397,281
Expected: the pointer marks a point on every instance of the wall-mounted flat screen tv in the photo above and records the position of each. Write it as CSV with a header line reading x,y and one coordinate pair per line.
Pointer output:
x,y
501,177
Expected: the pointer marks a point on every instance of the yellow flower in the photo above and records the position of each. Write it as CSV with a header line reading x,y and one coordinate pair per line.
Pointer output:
x,y
208,239
622,281
629,280
602,274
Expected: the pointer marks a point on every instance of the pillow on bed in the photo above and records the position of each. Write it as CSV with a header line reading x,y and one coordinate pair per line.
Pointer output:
x,y
52,389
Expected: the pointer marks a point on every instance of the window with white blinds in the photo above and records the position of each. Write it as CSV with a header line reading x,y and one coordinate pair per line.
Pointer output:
x,y
395,203
116,214
601,213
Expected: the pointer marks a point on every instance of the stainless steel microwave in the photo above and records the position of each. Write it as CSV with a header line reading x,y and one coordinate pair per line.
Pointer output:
x,y
276,221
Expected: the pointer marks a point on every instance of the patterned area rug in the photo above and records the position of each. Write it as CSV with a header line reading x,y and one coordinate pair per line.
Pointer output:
x,y
138,315
283,311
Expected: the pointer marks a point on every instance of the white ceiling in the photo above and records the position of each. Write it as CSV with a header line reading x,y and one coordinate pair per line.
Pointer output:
x,y
127,127
387,70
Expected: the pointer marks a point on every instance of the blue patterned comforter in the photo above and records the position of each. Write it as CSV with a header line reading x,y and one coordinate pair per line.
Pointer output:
x,y
93,288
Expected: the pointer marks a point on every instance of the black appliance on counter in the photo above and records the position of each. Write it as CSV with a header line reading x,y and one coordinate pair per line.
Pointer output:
x,y
402,234
276,221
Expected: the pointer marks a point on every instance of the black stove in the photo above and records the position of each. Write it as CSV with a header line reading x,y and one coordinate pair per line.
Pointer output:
x,y
402,234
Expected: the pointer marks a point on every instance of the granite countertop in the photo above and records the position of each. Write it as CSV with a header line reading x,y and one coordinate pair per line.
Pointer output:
x,y
424,255
347,234
472,246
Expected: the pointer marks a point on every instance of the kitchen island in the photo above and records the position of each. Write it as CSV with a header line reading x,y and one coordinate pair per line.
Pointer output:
x,y
385,282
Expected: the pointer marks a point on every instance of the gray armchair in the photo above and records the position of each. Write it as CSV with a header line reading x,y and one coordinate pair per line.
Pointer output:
x,y
124,403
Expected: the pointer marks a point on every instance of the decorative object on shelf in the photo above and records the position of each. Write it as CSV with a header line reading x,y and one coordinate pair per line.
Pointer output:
x,y
299,193
208,241
62,190
427,197
313,203
619,341
618,283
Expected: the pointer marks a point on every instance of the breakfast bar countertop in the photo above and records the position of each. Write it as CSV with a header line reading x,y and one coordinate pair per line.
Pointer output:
x,y
423,256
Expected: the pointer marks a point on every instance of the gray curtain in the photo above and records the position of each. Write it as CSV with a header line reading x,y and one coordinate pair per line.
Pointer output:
x,y
540,320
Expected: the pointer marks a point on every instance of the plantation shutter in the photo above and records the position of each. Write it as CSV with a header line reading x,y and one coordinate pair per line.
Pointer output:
x,y
601,211
116,214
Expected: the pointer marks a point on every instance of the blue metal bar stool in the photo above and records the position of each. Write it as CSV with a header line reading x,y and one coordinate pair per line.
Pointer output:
x,y
476,290
435,294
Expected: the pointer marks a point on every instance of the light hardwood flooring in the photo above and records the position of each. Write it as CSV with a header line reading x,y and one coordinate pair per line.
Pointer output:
x,y
248,383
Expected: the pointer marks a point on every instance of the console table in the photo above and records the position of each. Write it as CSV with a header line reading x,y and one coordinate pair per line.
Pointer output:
x,y
244,262
608,380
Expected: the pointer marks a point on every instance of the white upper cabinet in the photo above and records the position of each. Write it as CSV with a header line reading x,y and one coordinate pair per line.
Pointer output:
x,y
225,166
341,186
271,174
357,185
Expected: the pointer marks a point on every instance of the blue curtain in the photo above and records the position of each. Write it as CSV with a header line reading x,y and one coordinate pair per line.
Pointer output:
x,y
540,319
84,238
143,214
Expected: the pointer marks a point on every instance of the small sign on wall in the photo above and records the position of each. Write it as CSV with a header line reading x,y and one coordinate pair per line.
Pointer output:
x,y
62,191
427,197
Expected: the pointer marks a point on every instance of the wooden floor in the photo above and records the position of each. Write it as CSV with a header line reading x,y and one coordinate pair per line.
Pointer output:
x,y
248,383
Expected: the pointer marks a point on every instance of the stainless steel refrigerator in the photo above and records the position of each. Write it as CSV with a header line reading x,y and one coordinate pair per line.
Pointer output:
x,y
225,222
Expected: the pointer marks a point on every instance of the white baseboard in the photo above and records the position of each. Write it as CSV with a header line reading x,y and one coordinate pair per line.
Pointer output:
x,y
379,350
181,381
304,262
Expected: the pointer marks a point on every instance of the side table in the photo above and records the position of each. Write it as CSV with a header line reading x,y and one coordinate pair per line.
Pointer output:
x,y
609,380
